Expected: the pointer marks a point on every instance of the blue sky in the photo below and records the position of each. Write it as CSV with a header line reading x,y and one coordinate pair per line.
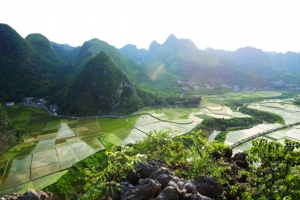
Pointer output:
x,y
270,25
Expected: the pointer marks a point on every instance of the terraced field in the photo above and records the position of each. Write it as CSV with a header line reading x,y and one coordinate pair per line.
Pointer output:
x,y
58,143
226,98
55,144
219,111
290,113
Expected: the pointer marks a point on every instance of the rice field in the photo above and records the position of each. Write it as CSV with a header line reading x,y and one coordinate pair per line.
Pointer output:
x,y
220,111
172,114
54,144
227,97
290,113
58,143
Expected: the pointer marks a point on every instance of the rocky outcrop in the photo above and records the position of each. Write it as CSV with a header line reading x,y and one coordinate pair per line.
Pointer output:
x,y
146,189
239,156
156,181
208,186
240,160
31,194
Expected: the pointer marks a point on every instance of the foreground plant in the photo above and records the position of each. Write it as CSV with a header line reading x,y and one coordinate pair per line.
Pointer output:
x,y
161,145
106,183
276,173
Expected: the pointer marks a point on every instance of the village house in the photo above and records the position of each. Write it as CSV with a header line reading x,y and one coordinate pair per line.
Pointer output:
x,y
10,103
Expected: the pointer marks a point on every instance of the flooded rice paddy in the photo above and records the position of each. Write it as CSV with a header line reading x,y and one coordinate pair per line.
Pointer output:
x,y
45,155
289,112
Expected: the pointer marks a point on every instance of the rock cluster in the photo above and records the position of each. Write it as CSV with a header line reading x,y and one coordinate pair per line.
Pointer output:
x,y
31,194
156,181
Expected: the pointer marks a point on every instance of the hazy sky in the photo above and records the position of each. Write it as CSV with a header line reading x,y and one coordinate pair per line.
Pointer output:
x,y
270,25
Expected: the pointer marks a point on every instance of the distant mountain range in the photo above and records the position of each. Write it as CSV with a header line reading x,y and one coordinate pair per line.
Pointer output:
x,y
34,66
285,66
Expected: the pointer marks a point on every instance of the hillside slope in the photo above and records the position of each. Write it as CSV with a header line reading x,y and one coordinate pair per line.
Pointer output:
x,y
7,133
102,88
28,67
65,51
250,59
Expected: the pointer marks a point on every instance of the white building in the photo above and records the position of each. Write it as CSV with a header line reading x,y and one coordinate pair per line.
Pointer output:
x,y
9,103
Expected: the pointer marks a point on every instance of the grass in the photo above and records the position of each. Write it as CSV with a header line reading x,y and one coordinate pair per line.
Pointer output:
x,y
203,116
109,125
271,138
227,98
171,113
110,138
47,180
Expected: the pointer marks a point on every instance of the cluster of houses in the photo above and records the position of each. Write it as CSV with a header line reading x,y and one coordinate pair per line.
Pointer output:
x,y
31,100
36,102
189,85
53,109
10,103
285,86
235,88
256,88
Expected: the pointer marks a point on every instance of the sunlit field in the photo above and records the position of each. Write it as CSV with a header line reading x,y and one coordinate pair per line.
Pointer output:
x,y
227,97
54,144
283,107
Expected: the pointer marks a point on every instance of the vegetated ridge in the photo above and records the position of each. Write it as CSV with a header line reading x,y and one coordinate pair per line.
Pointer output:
x,y
102,88
8,133
28,67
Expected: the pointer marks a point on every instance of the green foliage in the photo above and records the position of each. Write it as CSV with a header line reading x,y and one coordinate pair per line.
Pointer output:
x,y
70,185
9,133
106,182
297,102
66,52
276,170
203,162
29,67
275,173
209,124
160,144
261,115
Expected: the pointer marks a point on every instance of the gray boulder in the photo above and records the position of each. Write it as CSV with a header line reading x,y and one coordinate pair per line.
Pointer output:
x,y
227,153
189,187
164,176
217,155
208,186
145,190
239,156
30,194
196,196
169,193
145,169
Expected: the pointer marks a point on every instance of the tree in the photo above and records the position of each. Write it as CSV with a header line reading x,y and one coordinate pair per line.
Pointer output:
x,y
106,183
161,145
275,174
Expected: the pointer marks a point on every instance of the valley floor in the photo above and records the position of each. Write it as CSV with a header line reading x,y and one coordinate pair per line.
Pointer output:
x,y
55,143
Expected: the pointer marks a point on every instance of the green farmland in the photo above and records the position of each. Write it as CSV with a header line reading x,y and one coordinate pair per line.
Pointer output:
x,y
54,144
